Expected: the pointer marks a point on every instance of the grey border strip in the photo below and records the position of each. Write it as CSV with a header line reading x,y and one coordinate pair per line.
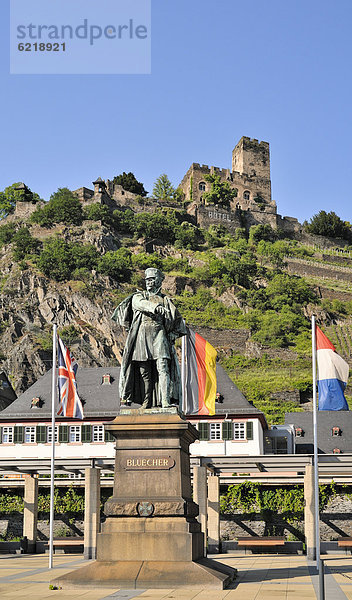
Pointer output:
x,y
124,595
332,588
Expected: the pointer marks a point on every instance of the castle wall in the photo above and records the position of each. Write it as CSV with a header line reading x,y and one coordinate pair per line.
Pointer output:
x,y
256,186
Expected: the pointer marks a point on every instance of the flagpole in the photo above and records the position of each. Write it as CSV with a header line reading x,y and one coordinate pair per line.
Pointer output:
x,y
52,465
315,443
183,371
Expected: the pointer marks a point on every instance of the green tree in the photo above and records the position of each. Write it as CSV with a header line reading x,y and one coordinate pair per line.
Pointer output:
x,y
129,183
163,189
24,244
6,233
124,220
221,193
160,225
329,225
240,270
188,236
116,265
61,260
262,232
56,260
63,207
11,194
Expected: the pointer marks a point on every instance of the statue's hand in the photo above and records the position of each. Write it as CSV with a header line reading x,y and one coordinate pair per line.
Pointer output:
x,y
162,311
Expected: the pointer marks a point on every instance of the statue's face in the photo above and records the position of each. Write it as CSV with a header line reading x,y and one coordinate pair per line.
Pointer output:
x,y
152,284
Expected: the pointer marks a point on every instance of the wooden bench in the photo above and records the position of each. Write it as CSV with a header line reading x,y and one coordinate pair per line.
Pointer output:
x,y
68,543
345,542
257,543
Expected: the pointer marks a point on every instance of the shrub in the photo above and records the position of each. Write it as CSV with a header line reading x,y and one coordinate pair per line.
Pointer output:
x,y
124,220
262,232
98,212
144,260
116,265
175,264
59,259
24,244
279,329
63,207
69,334
187,236
6,233
160,225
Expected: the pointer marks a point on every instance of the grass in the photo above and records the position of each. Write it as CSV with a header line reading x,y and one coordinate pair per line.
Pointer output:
x,y
258,379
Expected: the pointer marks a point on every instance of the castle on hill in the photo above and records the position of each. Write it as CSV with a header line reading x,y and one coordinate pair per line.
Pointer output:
x,y
249,177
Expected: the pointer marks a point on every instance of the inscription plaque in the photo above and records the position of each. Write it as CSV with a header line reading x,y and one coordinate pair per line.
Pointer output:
x,y
147,463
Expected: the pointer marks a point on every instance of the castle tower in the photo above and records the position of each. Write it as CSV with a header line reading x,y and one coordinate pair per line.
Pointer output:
x,y
250,157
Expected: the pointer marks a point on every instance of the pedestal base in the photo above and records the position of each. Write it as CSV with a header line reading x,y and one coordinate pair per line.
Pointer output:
x,y
151,538
204,573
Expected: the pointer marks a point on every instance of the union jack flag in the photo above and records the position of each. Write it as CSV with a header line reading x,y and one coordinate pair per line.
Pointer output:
x,y
70,404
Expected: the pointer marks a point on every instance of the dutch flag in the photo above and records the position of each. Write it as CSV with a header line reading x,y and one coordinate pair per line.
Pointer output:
x,y
332,375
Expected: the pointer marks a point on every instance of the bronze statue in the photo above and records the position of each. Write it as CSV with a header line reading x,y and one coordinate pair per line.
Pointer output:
x,y
150,374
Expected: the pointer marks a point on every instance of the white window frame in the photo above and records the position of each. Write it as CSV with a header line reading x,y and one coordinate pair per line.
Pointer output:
x,y
7,432
75,434
98,433
49,436
239,431
215,431
30,434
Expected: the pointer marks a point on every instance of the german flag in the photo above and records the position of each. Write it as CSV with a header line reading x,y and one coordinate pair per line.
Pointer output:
x,y
199,390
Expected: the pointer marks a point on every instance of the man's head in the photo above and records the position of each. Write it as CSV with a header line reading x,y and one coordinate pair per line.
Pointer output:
x,y
153,279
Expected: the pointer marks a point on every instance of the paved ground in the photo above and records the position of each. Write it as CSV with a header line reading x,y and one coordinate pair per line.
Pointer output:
x,y
260,577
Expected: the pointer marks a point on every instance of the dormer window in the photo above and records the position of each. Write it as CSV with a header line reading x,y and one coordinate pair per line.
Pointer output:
x,y
336,451
36,402
106,379
299,432
336,431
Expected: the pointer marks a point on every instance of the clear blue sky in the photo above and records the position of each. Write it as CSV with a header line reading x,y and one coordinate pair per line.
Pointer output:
x,y
279,71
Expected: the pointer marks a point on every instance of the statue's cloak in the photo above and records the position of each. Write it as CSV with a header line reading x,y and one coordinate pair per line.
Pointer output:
x,y
130,319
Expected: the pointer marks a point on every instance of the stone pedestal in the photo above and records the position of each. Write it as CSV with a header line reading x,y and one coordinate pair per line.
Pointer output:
x,y
151,538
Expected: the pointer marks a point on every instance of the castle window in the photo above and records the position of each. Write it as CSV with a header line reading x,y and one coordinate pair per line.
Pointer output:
x,y
246,195
106,379
202,186
7,435
98,433
29,435
75,433
215,431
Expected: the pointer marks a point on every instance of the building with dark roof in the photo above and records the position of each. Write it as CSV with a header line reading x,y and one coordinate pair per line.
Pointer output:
x,y
334,429
236,428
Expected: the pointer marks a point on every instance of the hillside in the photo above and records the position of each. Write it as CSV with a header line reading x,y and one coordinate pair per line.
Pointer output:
x,y
251,295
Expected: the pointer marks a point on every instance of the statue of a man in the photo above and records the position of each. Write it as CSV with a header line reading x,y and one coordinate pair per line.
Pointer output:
x,y
150,373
